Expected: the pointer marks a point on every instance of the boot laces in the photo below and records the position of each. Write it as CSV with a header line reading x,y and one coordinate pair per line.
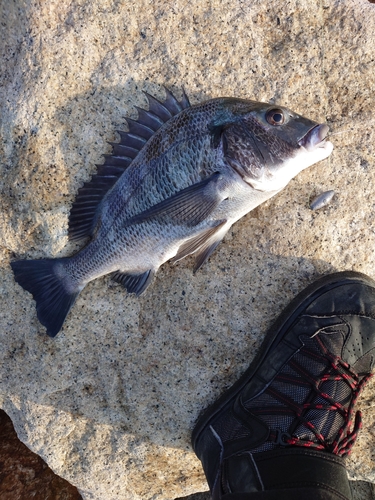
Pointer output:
x,y
336,370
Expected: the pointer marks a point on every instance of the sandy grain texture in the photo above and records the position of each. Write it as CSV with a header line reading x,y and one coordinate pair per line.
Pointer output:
x,y
109,403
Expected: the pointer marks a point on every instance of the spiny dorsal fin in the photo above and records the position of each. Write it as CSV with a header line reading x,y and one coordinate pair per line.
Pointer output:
x,y
83,210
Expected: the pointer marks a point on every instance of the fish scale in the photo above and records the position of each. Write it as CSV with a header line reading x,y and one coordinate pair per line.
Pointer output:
x,y
173,186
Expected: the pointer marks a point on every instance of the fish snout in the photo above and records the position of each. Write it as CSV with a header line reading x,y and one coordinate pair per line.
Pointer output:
x,y
315,137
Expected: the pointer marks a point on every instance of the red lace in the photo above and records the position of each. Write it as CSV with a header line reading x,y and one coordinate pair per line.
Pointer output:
x,y
338,370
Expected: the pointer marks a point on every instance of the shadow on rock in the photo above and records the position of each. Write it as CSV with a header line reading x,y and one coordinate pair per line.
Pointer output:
x,y
145,366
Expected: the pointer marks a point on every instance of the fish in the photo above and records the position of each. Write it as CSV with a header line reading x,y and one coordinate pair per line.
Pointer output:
x,y
321,200
174,184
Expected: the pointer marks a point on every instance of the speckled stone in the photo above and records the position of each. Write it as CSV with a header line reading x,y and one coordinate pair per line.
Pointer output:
x,y
24,475
111,401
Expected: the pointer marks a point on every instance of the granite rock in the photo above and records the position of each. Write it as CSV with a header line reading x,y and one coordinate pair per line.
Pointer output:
x,y
109,403
23,474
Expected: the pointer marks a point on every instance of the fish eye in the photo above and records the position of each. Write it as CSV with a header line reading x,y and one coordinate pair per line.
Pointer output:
x,y
275,117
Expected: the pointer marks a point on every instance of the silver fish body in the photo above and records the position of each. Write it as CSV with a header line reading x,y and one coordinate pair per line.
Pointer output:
x,y
322,200
173,186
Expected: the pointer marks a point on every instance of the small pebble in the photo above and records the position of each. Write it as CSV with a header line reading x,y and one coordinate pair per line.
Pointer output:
x,y
321,200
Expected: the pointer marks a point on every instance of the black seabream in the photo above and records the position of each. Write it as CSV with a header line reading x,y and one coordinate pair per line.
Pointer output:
x,y
173,186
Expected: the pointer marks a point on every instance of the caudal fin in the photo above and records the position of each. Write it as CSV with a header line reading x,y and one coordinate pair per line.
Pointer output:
x,y
53,300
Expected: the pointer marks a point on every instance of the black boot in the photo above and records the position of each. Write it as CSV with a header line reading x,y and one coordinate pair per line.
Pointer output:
x,y
283,429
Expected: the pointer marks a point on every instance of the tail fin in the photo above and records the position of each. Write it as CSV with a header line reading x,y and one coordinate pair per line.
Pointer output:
x,y
42,279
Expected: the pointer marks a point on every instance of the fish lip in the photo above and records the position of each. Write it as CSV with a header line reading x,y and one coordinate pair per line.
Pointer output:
x,y
315,137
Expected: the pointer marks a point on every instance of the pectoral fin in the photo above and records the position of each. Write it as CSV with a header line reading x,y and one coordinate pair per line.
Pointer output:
x,y
190,206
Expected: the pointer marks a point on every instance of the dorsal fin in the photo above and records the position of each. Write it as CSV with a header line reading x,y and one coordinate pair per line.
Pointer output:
x,y
83,210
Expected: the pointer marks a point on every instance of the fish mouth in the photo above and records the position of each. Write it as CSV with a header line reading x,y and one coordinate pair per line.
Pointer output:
x,y
315,137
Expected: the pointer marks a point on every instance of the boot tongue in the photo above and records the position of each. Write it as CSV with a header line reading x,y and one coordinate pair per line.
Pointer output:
x,y
357,350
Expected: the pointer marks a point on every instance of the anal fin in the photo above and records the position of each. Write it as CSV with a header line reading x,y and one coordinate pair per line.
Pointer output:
x,y
202,245
134,283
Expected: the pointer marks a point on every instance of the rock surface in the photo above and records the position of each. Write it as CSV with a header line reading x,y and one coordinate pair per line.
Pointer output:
x,y
109,403
24,475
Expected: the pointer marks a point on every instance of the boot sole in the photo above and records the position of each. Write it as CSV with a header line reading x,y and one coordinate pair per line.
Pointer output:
x,y
274,335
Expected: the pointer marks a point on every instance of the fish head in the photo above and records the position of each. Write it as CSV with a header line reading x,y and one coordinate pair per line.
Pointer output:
x,y
268,144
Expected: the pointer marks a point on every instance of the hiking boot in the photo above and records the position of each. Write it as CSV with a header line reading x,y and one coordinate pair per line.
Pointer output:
x,y
283,428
